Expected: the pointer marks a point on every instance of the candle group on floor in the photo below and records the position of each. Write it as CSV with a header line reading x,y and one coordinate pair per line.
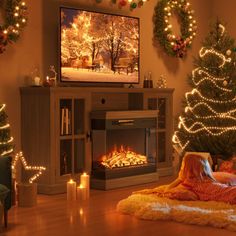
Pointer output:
x,y
80,192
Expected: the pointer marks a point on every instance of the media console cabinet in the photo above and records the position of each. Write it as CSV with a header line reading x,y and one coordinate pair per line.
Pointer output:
x,y
56,127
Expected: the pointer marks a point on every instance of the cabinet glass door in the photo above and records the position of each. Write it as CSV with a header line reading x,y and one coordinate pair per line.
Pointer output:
x,y
72,136
65,117
80,135
162,113
159,103
79,156
65,157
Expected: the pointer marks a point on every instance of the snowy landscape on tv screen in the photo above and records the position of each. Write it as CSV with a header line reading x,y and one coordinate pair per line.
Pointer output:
x,y
97,47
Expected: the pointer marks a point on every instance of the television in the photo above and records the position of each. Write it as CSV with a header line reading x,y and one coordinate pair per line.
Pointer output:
x,y
98,47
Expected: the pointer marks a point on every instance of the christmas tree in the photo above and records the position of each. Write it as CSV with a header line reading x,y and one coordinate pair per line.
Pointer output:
x,y
6,146
208,123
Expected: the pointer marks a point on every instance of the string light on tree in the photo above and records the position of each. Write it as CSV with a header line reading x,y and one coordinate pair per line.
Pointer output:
x,y
203,52
40,169
6,140
209,120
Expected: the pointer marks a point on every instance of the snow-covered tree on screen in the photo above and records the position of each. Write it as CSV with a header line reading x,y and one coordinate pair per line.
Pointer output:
x,y
208,123
73,41
95,36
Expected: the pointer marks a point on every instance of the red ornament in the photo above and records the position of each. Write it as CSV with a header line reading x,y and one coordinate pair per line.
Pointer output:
x,y
122,3
140,3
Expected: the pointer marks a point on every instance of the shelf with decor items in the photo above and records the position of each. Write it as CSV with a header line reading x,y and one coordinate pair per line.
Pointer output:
x,y
55,127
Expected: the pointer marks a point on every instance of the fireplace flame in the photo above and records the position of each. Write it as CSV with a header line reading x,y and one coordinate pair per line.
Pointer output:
x,y
122,157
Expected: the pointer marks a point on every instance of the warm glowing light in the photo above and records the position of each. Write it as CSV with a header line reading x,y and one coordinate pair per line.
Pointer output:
x,y
81,212
2,107
208,105
168,26
122,157
4,126
204,51
222,29
7,152
40,169
8,141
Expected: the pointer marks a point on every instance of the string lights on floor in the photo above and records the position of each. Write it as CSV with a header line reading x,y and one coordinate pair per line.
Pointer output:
x,y
40,169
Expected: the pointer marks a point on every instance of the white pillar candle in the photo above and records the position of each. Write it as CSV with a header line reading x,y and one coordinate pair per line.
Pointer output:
x,y
81,193
71,190
85,182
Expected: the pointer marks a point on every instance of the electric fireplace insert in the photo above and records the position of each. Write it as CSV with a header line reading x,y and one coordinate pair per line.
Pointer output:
x,y
124,144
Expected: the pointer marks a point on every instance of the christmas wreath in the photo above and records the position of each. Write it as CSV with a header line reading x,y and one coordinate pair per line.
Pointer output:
x,y
15,20
174,45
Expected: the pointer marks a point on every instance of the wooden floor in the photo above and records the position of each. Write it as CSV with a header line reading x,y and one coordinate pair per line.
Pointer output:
x,y
53,215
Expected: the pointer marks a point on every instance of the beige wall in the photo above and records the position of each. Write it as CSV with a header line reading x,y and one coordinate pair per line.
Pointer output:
x,y
225,11
17,62
38,46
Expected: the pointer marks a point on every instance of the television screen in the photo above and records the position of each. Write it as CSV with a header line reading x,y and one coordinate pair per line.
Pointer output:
x,y
98,47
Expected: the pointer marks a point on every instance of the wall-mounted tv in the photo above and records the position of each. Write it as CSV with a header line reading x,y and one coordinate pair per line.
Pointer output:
x,y
98,47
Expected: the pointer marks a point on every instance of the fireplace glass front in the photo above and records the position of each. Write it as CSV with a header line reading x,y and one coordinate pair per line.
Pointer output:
x,y
123,143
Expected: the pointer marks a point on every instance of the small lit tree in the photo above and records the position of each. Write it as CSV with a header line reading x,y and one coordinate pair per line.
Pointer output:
x,y
208,123
6,146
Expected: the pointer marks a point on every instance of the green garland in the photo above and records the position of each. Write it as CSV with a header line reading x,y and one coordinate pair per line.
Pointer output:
x,y
174,45
14,22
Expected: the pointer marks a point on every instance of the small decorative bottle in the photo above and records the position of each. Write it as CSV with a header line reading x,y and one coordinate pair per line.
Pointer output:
x,y
147,83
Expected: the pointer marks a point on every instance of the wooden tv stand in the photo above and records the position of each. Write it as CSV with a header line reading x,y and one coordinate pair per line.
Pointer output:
x,y
55,127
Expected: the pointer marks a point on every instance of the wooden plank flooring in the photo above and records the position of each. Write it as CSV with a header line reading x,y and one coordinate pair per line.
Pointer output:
x,y
53,215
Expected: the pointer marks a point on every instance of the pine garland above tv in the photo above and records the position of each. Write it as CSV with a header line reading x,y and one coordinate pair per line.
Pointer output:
x,y
98,47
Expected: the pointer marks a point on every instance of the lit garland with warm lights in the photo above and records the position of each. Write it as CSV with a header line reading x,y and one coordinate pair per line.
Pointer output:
x,y
122,3
16,18
6,140
40,169
174,45
203,52
208,117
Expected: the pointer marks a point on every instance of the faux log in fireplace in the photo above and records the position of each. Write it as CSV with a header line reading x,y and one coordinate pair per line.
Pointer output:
x,y
124,148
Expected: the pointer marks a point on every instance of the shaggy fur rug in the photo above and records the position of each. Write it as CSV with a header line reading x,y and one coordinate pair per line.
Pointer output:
x,y
151,207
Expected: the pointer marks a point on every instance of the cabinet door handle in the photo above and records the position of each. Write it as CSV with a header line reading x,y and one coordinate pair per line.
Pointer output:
x,y
88,136
123,122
